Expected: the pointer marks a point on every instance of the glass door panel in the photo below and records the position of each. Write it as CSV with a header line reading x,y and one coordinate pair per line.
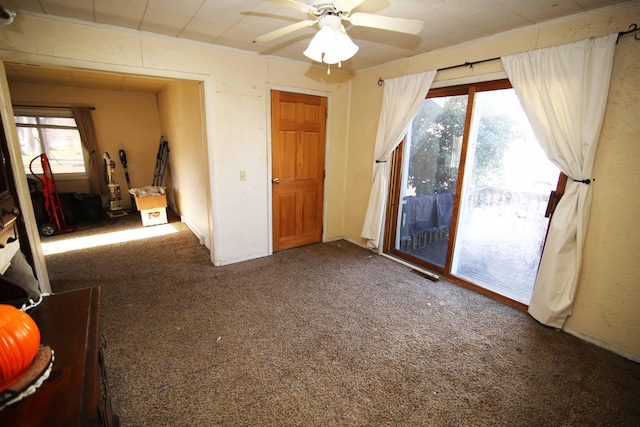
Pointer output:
x,y
502,226
430,175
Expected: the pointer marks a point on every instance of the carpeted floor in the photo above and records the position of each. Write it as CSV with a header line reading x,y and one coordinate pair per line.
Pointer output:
x,y
328,334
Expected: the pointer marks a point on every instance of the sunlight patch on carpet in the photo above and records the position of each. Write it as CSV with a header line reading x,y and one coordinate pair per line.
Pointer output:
x,y
78,243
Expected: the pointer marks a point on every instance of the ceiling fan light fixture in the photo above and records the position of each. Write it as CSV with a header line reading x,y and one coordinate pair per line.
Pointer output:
x,y
319,44
343,49
331,46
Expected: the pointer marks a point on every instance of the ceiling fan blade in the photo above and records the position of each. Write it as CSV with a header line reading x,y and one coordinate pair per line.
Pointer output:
x,y
296,5
286,30
401,25
347,5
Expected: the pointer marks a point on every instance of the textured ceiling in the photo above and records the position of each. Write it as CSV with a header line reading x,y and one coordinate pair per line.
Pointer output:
x,y
237,23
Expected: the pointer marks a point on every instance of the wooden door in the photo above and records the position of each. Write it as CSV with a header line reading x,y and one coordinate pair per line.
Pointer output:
x,y
298,127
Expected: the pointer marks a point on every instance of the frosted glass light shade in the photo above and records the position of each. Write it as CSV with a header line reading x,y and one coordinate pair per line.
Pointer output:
x,y
343,49
334,44
322,41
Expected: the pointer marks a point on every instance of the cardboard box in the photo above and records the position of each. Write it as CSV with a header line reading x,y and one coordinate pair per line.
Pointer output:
x,y
151,202
154,216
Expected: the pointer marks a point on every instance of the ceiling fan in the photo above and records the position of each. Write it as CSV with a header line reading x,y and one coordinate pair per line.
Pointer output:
x,y
331,44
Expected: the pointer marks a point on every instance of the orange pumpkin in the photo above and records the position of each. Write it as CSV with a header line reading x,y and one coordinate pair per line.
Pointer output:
x,y
19,343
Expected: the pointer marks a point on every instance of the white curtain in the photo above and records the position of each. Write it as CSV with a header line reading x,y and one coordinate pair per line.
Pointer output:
x,y
563,90
401,100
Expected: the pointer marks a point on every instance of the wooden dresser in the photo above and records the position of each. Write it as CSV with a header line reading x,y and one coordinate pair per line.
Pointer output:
x,y
76,393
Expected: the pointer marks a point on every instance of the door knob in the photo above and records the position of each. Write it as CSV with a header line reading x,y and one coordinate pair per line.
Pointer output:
x,y
276,180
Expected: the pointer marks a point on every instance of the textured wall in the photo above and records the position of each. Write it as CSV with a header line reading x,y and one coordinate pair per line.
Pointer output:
x,y
187,176
608,299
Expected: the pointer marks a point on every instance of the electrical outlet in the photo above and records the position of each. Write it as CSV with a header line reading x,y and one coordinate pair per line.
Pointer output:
x,y
243,175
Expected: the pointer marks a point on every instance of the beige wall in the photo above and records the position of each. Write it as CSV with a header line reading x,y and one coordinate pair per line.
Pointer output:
x,y
122,120
236,120
606,309
187,177
607,306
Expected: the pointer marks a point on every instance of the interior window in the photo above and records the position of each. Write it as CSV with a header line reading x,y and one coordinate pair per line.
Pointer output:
x,y
50,131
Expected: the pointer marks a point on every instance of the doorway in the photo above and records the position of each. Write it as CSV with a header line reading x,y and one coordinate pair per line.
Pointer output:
x,y
298,129
472,189
132,111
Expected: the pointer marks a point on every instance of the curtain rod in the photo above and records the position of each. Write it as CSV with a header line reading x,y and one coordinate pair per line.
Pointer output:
x,y
466,64
48,106
632,29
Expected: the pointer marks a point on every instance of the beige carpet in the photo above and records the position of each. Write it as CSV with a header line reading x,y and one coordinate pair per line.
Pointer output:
x,y
328,334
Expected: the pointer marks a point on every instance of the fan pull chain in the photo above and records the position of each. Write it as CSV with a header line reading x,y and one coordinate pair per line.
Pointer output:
x,y
329,67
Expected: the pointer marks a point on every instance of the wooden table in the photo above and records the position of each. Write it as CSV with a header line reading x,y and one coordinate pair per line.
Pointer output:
x,y
76,392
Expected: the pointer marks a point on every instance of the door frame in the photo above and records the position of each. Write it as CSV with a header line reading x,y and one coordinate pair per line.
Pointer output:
x,y
327,166
20,180
207,94
390,225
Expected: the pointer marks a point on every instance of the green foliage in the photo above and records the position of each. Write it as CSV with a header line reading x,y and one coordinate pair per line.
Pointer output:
x,y
495,134
435,129
436,143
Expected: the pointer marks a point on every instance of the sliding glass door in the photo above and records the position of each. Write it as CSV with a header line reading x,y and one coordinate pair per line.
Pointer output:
x,y
473,190
430,177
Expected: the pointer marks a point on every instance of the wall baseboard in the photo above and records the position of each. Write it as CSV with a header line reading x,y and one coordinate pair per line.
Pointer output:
x,y
203,237
356,243
602,344
219,263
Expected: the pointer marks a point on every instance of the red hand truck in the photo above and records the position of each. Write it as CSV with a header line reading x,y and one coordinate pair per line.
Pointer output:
x,y
56,224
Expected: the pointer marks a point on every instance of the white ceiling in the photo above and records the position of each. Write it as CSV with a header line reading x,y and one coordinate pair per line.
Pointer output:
x,y
237,23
